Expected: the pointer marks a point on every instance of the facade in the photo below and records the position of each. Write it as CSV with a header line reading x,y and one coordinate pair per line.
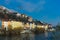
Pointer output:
x,y
12,24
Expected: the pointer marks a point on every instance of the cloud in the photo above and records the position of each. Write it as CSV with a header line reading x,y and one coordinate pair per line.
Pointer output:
x,y
31,7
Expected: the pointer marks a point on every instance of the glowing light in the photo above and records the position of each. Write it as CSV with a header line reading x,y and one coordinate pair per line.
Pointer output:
x,y
18,15
16,24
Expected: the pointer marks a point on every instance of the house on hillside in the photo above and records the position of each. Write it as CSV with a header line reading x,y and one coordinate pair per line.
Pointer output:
x,y
14,20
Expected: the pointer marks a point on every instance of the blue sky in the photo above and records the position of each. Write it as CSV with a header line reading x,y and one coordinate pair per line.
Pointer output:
x,y
44,10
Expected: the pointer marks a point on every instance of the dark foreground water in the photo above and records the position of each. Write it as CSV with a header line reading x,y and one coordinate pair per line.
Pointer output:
x,y
42,36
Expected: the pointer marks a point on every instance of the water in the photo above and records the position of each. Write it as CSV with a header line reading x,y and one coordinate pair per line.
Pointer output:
x,y
42,36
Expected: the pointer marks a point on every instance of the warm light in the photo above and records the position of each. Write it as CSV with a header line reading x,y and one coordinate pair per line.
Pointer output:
x,y
27,25
23,15
18,15
5,25
46,27
33,25
30,19
40,26
16,24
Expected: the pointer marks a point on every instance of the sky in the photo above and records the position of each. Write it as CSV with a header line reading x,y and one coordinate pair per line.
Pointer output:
x,y
44,10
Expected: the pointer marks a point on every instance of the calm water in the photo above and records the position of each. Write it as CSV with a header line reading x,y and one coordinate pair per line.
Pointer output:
x,y
42,36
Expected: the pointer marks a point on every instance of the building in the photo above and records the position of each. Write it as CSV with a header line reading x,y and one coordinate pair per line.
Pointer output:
x,y
15,20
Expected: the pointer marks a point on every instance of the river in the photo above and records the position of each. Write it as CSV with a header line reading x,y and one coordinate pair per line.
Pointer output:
x,y
41,36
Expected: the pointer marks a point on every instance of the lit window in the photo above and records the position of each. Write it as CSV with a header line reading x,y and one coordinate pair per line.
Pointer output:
x,y
18,15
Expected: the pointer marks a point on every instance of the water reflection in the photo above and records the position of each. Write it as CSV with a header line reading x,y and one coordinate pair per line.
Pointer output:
x,y
27,36
46,34
18,37
30,36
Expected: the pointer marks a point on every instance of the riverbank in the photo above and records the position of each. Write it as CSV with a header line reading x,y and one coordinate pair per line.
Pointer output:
x,y
9,33
18,32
